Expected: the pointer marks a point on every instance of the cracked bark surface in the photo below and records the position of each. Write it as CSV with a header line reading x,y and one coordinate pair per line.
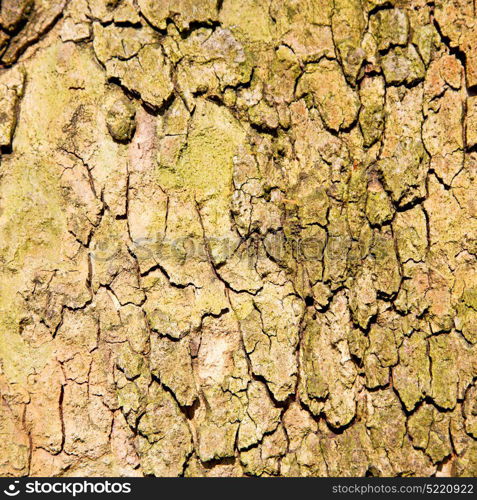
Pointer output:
x,y
238,238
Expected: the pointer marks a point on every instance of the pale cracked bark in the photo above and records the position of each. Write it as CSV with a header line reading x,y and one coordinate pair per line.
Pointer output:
x,y
238,238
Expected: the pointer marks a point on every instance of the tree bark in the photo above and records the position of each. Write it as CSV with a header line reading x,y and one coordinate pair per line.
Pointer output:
x,y
238,238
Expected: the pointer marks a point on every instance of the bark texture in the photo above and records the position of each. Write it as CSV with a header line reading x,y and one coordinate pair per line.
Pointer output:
x,y
238,237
